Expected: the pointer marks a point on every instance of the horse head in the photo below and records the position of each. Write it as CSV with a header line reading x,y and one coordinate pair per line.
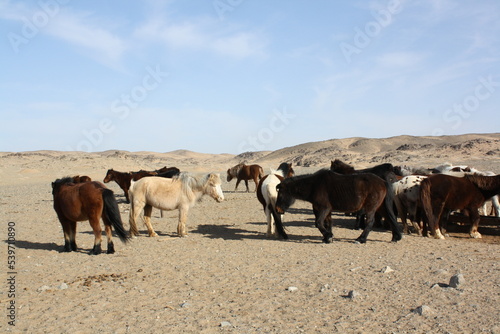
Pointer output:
x,y
214,187
285,199
109,176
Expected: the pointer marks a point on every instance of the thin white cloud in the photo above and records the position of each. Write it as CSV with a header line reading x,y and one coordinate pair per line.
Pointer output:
x,y
79,30
400,59
76,28
203,35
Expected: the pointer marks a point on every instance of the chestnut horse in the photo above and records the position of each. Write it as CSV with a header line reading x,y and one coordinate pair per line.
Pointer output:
x,y
245,173
74,202
180,192
328,191
442,192
267,194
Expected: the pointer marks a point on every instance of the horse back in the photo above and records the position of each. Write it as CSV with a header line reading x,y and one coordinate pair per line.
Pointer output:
x,y
350,193
79,201
454,192
267,188
159,192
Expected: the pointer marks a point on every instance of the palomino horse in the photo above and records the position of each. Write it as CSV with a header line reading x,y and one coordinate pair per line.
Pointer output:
x,y
329,191
245,173
181,193
267,194
445,192
74,202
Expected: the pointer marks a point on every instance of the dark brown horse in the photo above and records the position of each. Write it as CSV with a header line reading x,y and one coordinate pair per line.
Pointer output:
x,y
123,179
245,173
74,202
441,192
329,191
386,173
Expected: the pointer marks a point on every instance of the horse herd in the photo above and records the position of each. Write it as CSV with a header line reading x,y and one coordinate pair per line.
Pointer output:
x,y
424,196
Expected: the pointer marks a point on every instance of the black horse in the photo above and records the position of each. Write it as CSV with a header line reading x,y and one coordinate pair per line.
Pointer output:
x,y
328,191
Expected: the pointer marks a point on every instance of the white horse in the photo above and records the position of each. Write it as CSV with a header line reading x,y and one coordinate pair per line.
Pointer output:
x,y
180,192
267,195
406,198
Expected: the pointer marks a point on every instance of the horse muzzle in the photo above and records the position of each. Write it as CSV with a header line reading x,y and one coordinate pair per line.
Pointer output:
x,y
280,210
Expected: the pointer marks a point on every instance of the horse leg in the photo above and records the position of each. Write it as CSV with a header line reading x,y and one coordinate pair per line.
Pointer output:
x,y
96,227
109,235
69,230
321,217
133,216
474,219
256,180
270,223
435,229
402,213
181,227
370,220
148,209
246,184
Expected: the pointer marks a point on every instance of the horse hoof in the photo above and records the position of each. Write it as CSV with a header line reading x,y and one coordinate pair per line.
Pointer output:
x,y
360,241
154,234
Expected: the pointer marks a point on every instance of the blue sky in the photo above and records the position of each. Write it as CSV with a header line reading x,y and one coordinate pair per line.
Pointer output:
x,y
229,76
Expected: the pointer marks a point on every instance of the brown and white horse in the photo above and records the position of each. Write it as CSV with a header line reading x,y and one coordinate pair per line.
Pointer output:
x,y
267,194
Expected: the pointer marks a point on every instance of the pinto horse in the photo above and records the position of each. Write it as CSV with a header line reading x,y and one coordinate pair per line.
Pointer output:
x,y
267,194
245,173
328,191
74,202
442,192
180,192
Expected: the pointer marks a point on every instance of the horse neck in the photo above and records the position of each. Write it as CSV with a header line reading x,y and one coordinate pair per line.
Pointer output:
x,y
301,187
489,186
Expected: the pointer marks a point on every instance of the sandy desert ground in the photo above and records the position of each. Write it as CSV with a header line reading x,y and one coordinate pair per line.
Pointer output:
x,y
227,276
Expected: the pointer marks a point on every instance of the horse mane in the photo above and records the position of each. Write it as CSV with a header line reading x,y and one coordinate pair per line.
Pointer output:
x,y
487,183
340,166
277,172
59,182
233,171
189,182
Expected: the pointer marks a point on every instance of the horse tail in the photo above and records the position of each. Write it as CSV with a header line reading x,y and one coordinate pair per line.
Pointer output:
x,y
112,213
261,172
389,208
425,199
277,222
